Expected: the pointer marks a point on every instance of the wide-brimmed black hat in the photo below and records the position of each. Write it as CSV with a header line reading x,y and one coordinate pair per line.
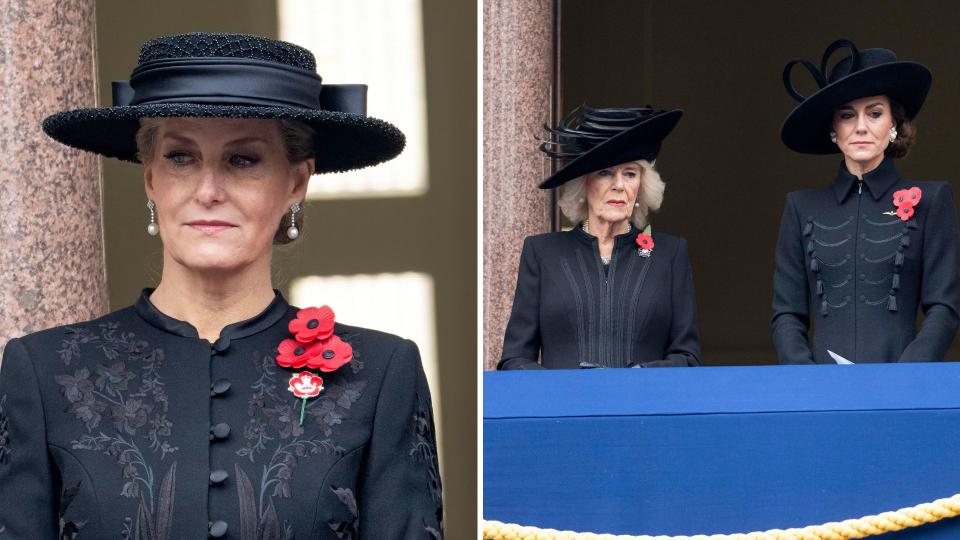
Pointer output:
x,y
593,139
864,73
204,75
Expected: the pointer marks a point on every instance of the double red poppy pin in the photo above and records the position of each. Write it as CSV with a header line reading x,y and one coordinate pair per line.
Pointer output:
x,y
645,242
905,200
313,346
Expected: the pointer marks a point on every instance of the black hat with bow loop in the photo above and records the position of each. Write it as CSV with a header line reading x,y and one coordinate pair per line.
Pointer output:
x,y
863,73
213,75
594,139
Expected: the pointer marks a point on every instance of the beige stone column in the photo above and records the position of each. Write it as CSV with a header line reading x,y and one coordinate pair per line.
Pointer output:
x,y
51,234
517,76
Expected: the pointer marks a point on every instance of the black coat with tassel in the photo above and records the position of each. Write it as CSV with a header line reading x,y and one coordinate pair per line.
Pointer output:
x,y
858,276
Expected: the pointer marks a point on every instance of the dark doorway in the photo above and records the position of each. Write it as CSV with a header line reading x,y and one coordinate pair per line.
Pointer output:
x,y
727,172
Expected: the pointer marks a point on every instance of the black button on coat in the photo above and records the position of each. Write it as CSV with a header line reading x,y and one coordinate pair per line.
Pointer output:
x,y
858,276
105,432
568,309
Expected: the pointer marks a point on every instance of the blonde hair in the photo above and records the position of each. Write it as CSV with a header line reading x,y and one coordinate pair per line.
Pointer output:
x,y
573,196
299,143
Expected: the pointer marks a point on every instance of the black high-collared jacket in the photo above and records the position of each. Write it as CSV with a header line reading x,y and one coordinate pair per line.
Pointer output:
x,y
568,309
858,276
131,427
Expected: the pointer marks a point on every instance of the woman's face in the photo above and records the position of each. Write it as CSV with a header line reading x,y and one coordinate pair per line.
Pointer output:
x,y
612,192
221,187
863,130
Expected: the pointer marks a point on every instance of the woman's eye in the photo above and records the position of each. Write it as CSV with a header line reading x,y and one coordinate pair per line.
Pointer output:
x,y
178,158
240,160
876,114
846,116
604,172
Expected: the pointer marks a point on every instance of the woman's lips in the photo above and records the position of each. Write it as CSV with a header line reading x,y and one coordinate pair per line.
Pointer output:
x,y
210,227
616,203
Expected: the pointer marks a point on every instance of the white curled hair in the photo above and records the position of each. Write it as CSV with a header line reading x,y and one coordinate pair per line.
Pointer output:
x,y
573,196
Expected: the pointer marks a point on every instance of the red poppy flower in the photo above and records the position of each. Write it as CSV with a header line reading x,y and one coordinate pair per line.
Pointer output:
x,y
305,385
905,212
293,354
907,197
915,195
312,323
645,241
331,354
899,197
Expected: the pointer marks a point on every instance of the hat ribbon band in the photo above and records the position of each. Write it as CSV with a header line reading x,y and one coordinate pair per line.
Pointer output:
x,y
235,81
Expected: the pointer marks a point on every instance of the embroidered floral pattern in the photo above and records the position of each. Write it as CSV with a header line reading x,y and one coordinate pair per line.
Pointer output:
x,y
135,402
69,529
154,525
274,423
424,451
258,525
346,530
4,433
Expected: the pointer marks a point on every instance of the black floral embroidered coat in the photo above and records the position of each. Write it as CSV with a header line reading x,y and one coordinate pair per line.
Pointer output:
x,y
569,309
132,427
859,276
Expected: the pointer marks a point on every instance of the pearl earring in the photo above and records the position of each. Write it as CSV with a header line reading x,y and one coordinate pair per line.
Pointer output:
x,y
893,134
152,228
292,231
833,137
636,205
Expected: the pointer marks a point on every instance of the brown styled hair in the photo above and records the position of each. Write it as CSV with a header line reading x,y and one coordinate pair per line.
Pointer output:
x,y
906,132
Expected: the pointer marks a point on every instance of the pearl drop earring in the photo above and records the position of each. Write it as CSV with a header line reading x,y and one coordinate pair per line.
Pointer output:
x,y
636,205
893,134
833,137
292,231
152,228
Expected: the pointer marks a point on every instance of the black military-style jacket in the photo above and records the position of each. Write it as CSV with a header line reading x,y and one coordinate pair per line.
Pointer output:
x,y
858,275
569,309
131,427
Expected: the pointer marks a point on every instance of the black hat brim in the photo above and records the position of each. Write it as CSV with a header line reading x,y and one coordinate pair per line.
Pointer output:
x,y
807,128
641,141
344,141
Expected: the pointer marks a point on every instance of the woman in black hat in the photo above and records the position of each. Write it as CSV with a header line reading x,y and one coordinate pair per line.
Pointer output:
x,y
211,406
609,292
858,258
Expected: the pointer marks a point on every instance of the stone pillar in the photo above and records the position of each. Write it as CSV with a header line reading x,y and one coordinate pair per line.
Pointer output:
x,y
517,77
51,232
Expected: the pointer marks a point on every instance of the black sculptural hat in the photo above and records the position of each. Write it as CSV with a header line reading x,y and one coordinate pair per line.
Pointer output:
x,y
209,75
864,73
594,139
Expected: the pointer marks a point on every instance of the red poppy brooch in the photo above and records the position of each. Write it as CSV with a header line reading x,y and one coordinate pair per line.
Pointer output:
x,y
313,346
905,200
645,243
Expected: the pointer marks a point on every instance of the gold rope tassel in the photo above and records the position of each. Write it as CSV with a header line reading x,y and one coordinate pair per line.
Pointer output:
x,y
904,518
